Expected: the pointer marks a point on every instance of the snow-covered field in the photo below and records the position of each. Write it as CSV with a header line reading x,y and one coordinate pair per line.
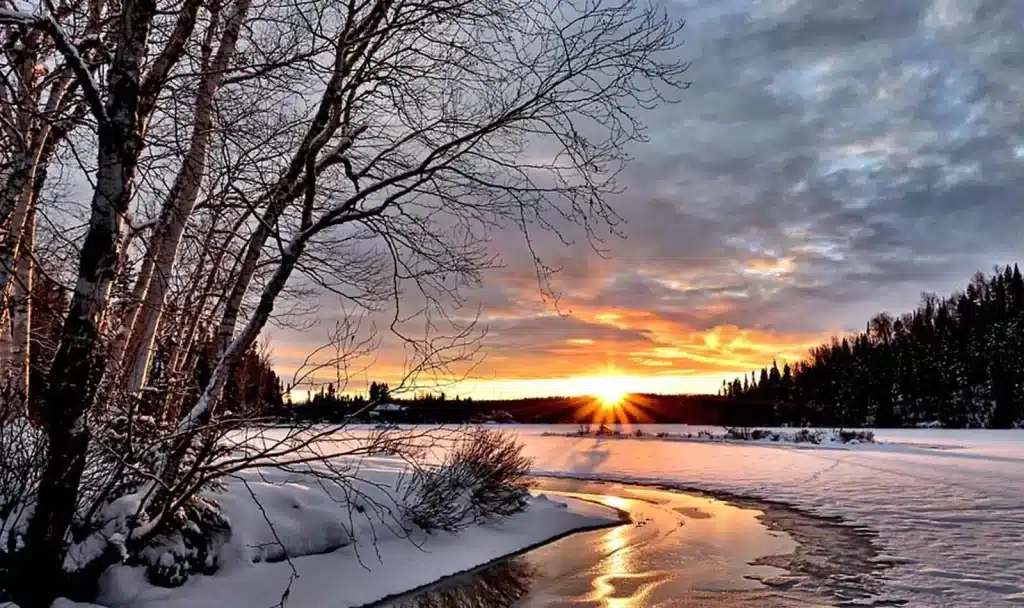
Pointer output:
x,y
947,508
353,549
822,437
947,505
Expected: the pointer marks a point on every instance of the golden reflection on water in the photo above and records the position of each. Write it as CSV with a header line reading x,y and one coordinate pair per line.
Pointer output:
x,y
620,582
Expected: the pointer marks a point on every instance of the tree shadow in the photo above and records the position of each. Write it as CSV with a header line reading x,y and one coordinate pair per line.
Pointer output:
x,y
584,461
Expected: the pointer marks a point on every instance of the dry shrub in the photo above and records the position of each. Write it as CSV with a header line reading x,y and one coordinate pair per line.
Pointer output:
x,y
483,476
739,433
845,436
814,436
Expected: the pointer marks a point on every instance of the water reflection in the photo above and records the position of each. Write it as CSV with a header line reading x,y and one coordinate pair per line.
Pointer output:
x,y
679,550
496,586
618,583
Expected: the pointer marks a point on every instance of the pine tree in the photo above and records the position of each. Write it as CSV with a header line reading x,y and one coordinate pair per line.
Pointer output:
x,y
786,384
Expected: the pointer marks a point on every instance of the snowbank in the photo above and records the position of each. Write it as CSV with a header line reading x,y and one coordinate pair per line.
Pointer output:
x,y
947,506
825,437
348,546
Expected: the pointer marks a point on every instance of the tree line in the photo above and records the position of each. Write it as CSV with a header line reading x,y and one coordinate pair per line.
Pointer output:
x,y
329,405
956,361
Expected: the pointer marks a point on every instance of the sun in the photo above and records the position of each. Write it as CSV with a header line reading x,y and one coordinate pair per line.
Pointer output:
x,y
610,393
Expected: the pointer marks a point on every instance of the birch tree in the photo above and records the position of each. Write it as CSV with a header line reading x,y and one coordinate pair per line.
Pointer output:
x,y
121,113
182,198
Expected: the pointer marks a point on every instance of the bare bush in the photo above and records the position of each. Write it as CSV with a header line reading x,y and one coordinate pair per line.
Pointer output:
x,y
483,476
737,432
814,436
853,436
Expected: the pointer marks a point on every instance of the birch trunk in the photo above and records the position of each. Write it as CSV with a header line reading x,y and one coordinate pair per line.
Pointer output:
x,y
74,373
120,344
179,205
131,317
17,198
21,312
29,171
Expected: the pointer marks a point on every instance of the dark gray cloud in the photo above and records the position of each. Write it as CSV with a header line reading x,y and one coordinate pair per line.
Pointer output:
x,y
877,147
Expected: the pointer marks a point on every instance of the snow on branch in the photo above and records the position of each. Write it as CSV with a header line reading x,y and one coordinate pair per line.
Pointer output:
x,y
90,89
9,16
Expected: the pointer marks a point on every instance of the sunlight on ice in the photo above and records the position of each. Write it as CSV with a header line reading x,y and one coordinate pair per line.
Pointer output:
x,y
621,582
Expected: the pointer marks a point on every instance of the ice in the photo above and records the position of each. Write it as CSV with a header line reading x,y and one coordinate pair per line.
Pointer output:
x,y
948,506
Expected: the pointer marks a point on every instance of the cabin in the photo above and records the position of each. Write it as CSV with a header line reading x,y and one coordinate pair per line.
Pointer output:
x,y
388,412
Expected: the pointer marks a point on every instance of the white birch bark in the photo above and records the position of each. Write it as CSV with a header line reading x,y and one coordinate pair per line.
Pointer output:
x,y
74,375
20,191
21,311
179,204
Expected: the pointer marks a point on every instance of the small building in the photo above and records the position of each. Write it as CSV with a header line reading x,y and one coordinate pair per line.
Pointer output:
x,y
388,412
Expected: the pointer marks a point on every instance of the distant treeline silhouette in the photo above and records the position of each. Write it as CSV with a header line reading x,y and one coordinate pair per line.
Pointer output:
x,y
958,361
327,406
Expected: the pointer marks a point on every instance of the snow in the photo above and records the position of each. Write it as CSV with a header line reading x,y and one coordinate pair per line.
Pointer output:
x,y
21,444
347,544
12,16
947,506
820,437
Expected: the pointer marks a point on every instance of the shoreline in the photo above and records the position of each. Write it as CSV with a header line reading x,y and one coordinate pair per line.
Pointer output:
x,y
624,519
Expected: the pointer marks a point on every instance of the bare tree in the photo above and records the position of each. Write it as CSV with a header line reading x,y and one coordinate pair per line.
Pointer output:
x,y
181,199
121,118
368,146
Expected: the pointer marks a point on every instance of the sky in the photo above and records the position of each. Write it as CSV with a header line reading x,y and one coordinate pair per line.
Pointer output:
x,y
833,159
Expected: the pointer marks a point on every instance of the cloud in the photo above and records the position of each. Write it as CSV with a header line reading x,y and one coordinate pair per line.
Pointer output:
x,y
832,159
870,150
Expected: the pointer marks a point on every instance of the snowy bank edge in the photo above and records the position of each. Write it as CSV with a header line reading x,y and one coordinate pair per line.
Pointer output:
x,y
810,438
623,519
209,591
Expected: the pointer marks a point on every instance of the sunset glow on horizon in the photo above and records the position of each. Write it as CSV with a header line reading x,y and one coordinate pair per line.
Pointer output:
x,y
674,359
755,228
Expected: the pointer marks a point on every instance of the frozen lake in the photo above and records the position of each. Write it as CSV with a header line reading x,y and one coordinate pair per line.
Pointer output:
x,y
945,507
678,550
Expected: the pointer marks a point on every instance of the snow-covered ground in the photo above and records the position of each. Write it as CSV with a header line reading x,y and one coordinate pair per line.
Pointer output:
x,y
353,549
822,437
948,506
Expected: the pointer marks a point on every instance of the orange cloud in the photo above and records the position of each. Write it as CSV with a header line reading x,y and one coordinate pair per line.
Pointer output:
x,y
659,330
770,266
649,352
